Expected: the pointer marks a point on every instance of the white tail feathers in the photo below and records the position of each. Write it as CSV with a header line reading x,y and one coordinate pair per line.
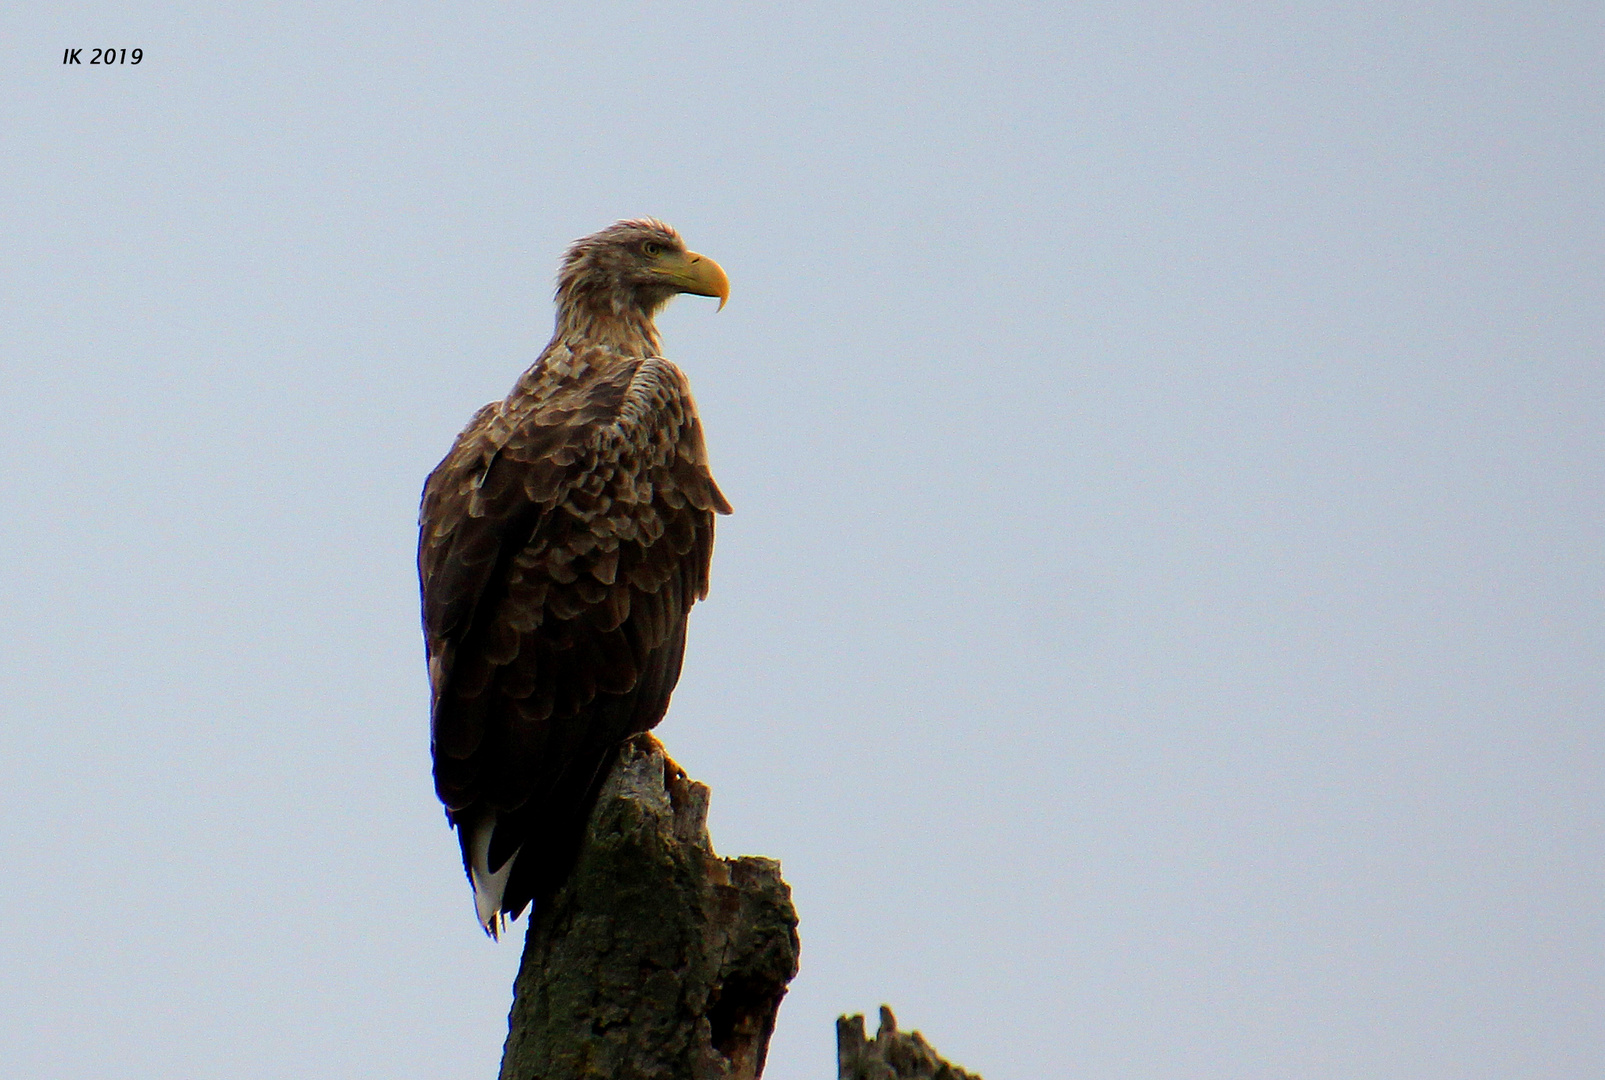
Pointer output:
x,y
488,887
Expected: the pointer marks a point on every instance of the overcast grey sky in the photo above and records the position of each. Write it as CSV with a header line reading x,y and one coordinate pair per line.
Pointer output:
x,y
1160,632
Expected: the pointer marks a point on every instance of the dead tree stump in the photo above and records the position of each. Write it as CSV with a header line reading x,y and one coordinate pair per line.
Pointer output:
x,y
657,959
894,1055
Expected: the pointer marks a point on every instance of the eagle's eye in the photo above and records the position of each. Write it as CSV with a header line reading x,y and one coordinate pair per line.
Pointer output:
x,y
652,248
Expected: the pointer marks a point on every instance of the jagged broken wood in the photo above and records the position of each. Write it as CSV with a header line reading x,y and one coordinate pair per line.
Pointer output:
x,y
658,958
893,1055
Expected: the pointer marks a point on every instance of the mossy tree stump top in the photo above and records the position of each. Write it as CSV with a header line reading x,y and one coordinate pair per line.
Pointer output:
x,y
657,959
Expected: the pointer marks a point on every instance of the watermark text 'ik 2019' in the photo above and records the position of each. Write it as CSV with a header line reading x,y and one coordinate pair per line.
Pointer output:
x,y
102,56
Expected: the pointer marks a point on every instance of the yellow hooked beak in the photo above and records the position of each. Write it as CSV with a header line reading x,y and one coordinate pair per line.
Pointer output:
x,y
697,274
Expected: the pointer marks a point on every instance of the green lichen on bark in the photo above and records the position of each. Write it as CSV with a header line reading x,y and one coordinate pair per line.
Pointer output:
x,y
658,959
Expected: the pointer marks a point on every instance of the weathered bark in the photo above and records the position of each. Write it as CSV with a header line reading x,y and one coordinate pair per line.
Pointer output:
x,y
894,1055
658,959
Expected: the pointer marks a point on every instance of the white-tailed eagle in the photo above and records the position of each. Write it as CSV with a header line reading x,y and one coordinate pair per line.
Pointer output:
x,y
562,543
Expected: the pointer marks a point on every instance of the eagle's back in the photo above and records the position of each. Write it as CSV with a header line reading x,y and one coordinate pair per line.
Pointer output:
x,y
563,541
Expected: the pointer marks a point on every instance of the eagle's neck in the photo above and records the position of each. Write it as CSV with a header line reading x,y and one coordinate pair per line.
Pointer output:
x,y
617,322
588,345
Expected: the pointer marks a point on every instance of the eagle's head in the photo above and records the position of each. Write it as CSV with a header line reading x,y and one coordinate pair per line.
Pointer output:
x,y
634,267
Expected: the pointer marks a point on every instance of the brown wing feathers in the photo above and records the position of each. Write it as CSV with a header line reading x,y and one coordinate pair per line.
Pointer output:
x,y
564,540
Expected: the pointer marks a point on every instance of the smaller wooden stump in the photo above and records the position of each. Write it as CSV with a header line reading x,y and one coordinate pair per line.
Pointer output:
x,y
894,1055
658,958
